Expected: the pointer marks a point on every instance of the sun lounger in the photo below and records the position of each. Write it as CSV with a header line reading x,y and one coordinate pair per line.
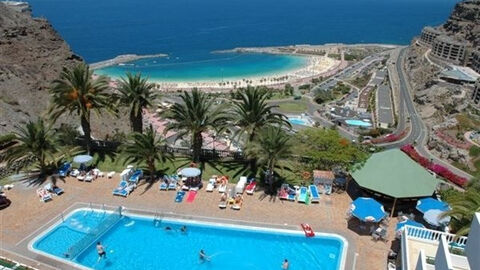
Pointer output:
x,y
74,173
237,206
44,195
283,192
222,188
211,185
315,197
251,187
135,177
302,197
81,177
110,174
164,184
89,177
179,196
328,189
65,169
223,203
54,189
173,184
241,184
123,189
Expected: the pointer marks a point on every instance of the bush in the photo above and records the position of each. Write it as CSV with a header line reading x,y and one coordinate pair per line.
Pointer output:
x,y
474,151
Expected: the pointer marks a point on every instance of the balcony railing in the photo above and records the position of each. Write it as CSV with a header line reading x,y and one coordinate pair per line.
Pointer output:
x,y
434,236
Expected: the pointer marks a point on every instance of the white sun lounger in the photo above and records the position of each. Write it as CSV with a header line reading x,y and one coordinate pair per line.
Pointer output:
x,y
110,174
241,184
222,188
211,185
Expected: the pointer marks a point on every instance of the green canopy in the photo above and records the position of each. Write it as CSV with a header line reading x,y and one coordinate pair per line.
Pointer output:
x,y
395,174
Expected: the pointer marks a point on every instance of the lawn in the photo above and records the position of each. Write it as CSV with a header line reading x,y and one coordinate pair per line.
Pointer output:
x,y
298,106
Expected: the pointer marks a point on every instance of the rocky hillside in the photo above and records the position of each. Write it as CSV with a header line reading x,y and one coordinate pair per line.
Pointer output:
x,y
32,54
464,22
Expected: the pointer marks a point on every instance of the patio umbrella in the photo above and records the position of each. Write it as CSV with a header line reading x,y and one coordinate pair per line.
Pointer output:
x,y
82,159
190,172
408,222
426,204
433,217
368,209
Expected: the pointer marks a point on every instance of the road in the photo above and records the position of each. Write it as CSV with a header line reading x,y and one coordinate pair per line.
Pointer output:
x,y
418,130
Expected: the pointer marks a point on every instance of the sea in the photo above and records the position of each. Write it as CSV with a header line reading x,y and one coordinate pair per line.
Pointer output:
x,y
190,30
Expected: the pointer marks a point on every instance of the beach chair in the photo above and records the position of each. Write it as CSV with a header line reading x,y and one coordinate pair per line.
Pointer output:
x,y
74,173
81,177
53,189
315,197
222,188
44,195
65,169
241,184
123,189
179,196
283,192
328,189
89,177
251,187
223,203
135,177
302,197
172,184
164,184
211,185
110,174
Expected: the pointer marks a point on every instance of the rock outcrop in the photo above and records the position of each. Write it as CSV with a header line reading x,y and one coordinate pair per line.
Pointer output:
x,y
32,54
464,22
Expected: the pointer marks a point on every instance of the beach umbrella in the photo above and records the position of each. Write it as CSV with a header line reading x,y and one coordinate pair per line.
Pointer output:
x,y
433,217
368,209
426,204
82,159
190,172
408,222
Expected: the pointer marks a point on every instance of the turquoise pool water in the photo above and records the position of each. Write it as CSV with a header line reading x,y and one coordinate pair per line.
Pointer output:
x,y
299,121
138,243
358,123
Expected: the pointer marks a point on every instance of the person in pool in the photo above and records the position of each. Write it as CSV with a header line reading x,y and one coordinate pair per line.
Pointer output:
x,y
168,228
183,229
285,264
101,251
203,256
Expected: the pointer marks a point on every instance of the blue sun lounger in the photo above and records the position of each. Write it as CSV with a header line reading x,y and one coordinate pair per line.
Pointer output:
x,y
65,169
302,197
315,197
123,189
164,184
172,184
179,197
135,177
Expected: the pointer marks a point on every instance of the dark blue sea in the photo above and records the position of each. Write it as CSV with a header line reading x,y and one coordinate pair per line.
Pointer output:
x,y
188,30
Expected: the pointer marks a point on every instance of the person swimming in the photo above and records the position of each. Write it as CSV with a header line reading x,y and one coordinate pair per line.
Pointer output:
x,y
203,256
183,229
168,228
285,264
101,251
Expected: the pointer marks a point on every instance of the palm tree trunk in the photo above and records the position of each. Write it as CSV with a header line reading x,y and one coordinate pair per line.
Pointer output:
x,y
136,121
253,160
85,122
197,142
151,167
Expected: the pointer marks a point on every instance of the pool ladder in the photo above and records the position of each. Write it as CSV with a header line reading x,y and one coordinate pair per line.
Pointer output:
x,y
157,220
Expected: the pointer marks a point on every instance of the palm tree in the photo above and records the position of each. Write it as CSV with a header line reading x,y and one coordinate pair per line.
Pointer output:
x,y
463,209
36,140
146,148
76,91
252,113
137,94
272,145
195,115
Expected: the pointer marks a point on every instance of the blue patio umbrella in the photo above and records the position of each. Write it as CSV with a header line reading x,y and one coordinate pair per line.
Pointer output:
x,y
190,172
426,204
433,217
408,222
368,209
82,159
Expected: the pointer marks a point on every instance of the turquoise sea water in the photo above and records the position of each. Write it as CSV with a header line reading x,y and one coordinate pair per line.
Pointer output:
x,y
189,30
139,243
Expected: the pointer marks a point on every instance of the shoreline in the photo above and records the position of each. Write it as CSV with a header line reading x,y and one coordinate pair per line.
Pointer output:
x,y
121,59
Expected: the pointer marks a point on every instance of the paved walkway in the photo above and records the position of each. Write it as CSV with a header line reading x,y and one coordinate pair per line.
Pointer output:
x,y
26,216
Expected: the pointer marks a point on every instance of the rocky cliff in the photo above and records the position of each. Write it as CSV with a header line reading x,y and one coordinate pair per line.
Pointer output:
x,y
32,54
464,22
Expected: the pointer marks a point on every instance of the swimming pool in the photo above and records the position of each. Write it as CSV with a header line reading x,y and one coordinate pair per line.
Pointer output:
x,y
357,123
138,242
300,121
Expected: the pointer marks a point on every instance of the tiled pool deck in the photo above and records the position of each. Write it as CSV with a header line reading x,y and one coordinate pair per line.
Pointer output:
x,y
26,217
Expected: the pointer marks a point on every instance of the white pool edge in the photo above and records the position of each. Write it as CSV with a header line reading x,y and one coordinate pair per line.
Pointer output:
x,y
186,221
